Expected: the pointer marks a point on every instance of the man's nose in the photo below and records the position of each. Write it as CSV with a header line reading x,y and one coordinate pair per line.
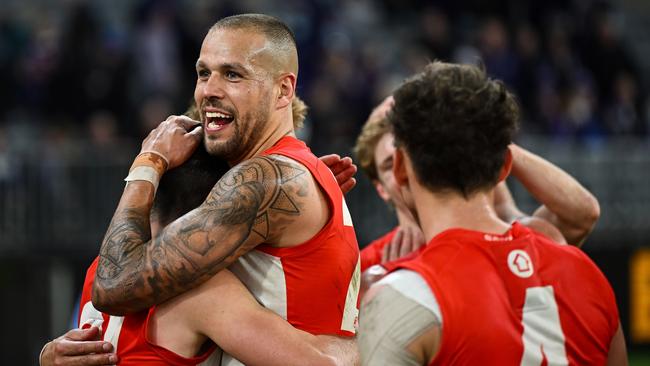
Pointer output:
x,y
213,88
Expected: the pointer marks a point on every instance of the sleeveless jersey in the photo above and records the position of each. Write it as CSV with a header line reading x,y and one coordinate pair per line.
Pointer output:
x,y
371,254
128,334
314,285
516,299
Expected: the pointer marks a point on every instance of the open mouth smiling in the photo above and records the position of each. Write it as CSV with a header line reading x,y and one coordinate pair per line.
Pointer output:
x,y
215,121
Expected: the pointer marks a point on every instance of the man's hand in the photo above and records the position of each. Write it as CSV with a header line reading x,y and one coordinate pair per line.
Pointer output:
x,y
407,239
175,139
78,347
343,169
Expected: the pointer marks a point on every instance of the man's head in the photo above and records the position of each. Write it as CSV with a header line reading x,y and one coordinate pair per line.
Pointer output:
x,y
246,79
374,152
455,125
185,187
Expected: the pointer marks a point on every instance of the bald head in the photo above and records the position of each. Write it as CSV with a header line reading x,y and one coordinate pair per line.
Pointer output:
x,y
281,42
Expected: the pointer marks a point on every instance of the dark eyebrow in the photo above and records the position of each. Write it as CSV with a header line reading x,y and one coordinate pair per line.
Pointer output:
x,y
225,66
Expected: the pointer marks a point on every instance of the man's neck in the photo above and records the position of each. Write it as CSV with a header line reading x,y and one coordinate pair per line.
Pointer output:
x,y
438,212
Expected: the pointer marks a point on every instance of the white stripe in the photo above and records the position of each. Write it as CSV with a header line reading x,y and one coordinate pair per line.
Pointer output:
x,y
263,275
412,285
347,218
351,311
90,315
113,330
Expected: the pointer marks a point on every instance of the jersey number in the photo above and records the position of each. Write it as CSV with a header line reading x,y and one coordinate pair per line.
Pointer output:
x,y
543,337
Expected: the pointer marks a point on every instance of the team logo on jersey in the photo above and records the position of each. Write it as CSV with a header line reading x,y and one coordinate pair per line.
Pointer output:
x,y
520,264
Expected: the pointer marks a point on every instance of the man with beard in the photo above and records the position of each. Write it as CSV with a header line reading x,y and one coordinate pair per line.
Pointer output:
x,y
482,291
278,216
139,334
151,337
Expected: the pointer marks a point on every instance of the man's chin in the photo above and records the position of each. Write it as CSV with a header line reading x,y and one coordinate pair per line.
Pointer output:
x,y
221,149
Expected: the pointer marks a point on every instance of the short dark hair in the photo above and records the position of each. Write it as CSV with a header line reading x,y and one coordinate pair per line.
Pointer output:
x,y
185,187
455,123
274,29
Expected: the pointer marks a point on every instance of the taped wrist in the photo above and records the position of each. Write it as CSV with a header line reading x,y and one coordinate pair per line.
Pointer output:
x,y
148,166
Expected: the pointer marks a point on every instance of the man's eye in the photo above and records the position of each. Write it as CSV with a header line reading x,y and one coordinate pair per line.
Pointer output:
x,y
232,75
203,73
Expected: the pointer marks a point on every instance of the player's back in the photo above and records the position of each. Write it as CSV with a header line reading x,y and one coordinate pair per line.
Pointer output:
x,y
517,299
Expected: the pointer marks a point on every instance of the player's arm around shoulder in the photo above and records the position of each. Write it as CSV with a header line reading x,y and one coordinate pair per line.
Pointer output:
x,y
264,199
223,310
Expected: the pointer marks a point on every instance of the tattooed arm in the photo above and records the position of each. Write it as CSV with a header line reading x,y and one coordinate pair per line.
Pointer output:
x,y
265,199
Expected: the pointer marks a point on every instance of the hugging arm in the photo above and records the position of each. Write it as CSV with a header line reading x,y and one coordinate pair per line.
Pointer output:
x,y
249,205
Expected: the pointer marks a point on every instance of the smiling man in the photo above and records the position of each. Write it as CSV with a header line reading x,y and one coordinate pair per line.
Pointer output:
x,y
277,218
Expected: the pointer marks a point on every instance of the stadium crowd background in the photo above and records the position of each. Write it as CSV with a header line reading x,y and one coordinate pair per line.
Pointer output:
x,y
82,82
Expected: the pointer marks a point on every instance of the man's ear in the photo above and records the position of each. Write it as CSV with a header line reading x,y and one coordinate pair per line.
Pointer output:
x,y
507,166
399,167
287,90
381,191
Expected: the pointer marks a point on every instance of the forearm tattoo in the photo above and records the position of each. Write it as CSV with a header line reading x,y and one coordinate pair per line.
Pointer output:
x,y
250,204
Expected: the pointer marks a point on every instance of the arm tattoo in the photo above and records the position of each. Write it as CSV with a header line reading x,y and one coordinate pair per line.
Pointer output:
x,y
249,205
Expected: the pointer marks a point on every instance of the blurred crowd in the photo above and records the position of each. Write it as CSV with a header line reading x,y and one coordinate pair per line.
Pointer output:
x,y
93,77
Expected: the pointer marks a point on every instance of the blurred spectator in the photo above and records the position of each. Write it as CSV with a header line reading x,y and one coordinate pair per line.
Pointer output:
x,y
67,64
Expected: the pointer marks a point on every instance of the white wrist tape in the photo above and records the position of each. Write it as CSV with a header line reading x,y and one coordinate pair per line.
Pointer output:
x,y
145,173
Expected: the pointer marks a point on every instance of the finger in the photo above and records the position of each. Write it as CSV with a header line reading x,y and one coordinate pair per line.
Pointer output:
x,y
76,348
330,159
395,245
348,185
186,122
196,134
82,334
407,243
385,253
92,360
345,174
345,162
419,240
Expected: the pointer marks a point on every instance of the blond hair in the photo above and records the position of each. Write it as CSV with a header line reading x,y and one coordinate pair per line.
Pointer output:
x,y
364,150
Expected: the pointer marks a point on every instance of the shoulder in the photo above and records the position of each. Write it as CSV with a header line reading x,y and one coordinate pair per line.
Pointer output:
x,y
396,311
411,285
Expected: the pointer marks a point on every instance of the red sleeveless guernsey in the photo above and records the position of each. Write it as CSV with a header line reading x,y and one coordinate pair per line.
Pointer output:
x,y
314,285
128,334
516,299
371,254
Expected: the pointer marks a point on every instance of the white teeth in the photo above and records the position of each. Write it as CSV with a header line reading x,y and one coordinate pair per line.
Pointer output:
x,y
213,125
216,115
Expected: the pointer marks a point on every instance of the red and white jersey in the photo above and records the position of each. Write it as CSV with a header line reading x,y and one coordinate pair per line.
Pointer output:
x,y
371,254
314,285
516,299
128,334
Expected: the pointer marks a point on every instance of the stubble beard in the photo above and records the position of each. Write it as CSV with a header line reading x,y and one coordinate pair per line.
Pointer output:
x,y
244,136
